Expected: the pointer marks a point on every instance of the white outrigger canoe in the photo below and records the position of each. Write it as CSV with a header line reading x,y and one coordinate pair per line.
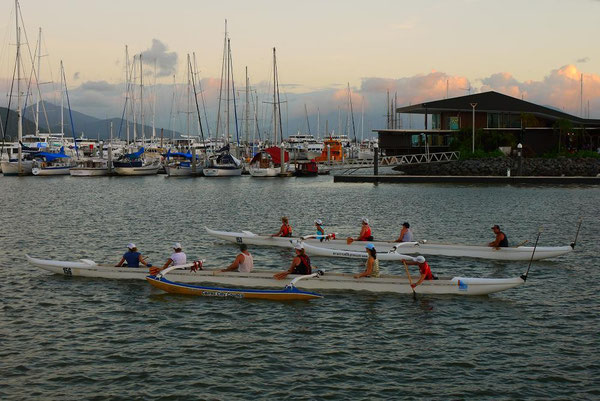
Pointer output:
x,y
264,279
421,248
337,253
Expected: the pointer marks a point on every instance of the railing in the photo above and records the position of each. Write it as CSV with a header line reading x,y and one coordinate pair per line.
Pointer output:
x,y
391,161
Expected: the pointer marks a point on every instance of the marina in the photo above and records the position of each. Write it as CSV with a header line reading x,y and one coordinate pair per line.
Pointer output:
x,y
231,201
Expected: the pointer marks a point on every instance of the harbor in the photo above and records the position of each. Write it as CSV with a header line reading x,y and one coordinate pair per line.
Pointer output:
x,y
234,201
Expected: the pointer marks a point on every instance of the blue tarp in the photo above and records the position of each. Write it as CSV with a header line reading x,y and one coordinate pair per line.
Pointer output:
x,y
135,155
51,156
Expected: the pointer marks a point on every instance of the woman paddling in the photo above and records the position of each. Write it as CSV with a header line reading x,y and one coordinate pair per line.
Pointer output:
x,y
406,234
132,257
300,264
320,231
372,265
365,232
285,230
424,269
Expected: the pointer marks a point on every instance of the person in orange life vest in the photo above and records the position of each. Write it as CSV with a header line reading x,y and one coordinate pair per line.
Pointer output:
x,y
365,231
300,264
424,269
285,230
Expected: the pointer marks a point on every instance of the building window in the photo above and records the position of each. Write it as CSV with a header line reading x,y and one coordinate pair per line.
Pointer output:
x,y
436,121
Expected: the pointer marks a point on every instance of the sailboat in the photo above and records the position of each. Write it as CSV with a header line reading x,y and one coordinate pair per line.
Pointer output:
x,y
136,164
46,163
269,163
223,164
20,165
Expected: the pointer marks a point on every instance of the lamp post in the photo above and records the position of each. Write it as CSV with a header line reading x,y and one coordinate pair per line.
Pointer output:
x,y
520,159
473,105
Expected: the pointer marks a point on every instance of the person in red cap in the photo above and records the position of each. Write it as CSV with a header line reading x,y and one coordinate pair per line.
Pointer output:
x,y
501,240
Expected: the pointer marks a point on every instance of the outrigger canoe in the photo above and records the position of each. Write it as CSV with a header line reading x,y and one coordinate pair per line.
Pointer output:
x,y
386,283
421,247
289,293
336,253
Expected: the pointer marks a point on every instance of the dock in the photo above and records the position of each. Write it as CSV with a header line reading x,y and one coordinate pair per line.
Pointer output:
x,y
450,179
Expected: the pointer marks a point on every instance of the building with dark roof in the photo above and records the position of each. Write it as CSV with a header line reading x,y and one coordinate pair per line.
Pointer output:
x,y
540,129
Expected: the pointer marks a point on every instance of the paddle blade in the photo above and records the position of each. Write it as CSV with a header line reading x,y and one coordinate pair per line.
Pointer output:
x,y
349,240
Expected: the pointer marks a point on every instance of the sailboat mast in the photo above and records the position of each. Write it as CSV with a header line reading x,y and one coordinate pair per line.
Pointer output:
x,y
274,99
227,88
247,118
133,111
37,75
318,123
127,88
154,106
307,120
142,101
19,115
188,102
62,99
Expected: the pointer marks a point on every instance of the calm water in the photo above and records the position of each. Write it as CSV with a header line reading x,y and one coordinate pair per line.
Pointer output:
x,y
74,338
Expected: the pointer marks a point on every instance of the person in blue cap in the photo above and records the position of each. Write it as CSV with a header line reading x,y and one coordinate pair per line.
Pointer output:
x,y
372,265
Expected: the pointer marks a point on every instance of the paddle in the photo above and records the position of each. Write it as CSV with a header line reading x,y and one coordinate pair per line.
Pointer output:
x,y
522,243
349,240
524,276
577,233
410,280
170,268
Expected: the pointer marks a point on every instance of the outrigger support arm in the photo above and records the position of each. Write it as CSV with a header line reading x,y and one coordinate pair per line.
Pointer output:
x,y
174,267
294,281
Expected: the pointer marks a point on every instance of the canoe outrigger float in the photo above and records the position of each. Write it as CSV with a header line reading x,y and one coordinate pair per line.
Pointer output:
x,y
386,283
421,247
289,293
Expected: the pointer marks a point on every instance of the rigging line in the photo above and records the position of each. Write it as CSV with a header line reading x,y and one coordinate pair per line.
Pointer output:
x,y
70,113
197,106
127,90
278,101
12,84
202,96
221,84
237,134
352,113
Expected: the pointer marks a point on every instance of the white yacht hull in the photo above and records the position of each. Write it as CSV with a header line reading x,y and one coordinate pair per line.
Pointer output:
x,y
88,172
222,172
264,172
143,170
48,171
12,168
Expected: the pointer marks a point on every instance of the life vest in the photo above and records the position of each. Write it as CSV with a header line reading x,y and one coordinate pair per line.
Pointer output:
x,y
426,270
367,235
504,242
304,266
286,230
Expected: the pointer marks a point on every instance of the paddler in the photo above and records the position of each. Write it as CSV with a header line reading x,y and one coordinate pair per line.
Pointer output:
x,y
501,240
177,258
320,231
365,231
243,263
424,269
285,230
300,264
406,234
372,265
132,257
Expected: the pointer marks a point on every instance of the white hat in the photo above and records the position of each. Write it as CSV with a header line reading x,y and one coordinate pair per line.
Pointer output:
x,y
177,245
299,246
131,245
420,259
318,221
365,220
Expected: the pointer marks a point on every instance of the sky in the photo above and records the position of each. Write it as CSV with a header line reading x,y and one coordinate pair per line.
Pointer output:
x,y
533,49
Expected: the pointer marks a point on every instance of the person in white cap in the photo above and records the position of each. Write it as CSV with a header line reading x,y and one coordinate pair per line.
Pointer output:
x,y
320,231
132,257
300,264
177,258
365,232
424,269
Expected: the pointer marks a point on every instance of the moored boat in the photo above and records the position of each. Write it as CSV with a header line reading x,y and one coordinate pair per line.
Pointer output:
x,y
422,248
93,167
264,279
392,254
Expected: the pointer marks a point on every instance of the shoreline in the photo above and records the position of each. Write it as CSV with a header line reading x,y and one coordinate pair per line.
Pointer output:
x,y
457,179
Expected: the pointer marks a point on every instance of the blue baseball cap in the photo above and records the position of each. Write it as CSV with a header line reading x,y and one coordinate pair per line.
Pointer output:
x,y
370,246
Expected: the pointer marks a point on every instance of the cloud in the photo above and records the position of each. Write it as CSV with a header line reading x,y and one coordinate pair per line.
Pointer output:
x,y
583,60
560,88
166,62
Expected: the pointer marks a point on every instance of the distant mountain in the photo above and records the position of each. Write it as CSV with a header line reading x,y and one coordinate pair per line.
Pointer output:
x,y
90,127
10,129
